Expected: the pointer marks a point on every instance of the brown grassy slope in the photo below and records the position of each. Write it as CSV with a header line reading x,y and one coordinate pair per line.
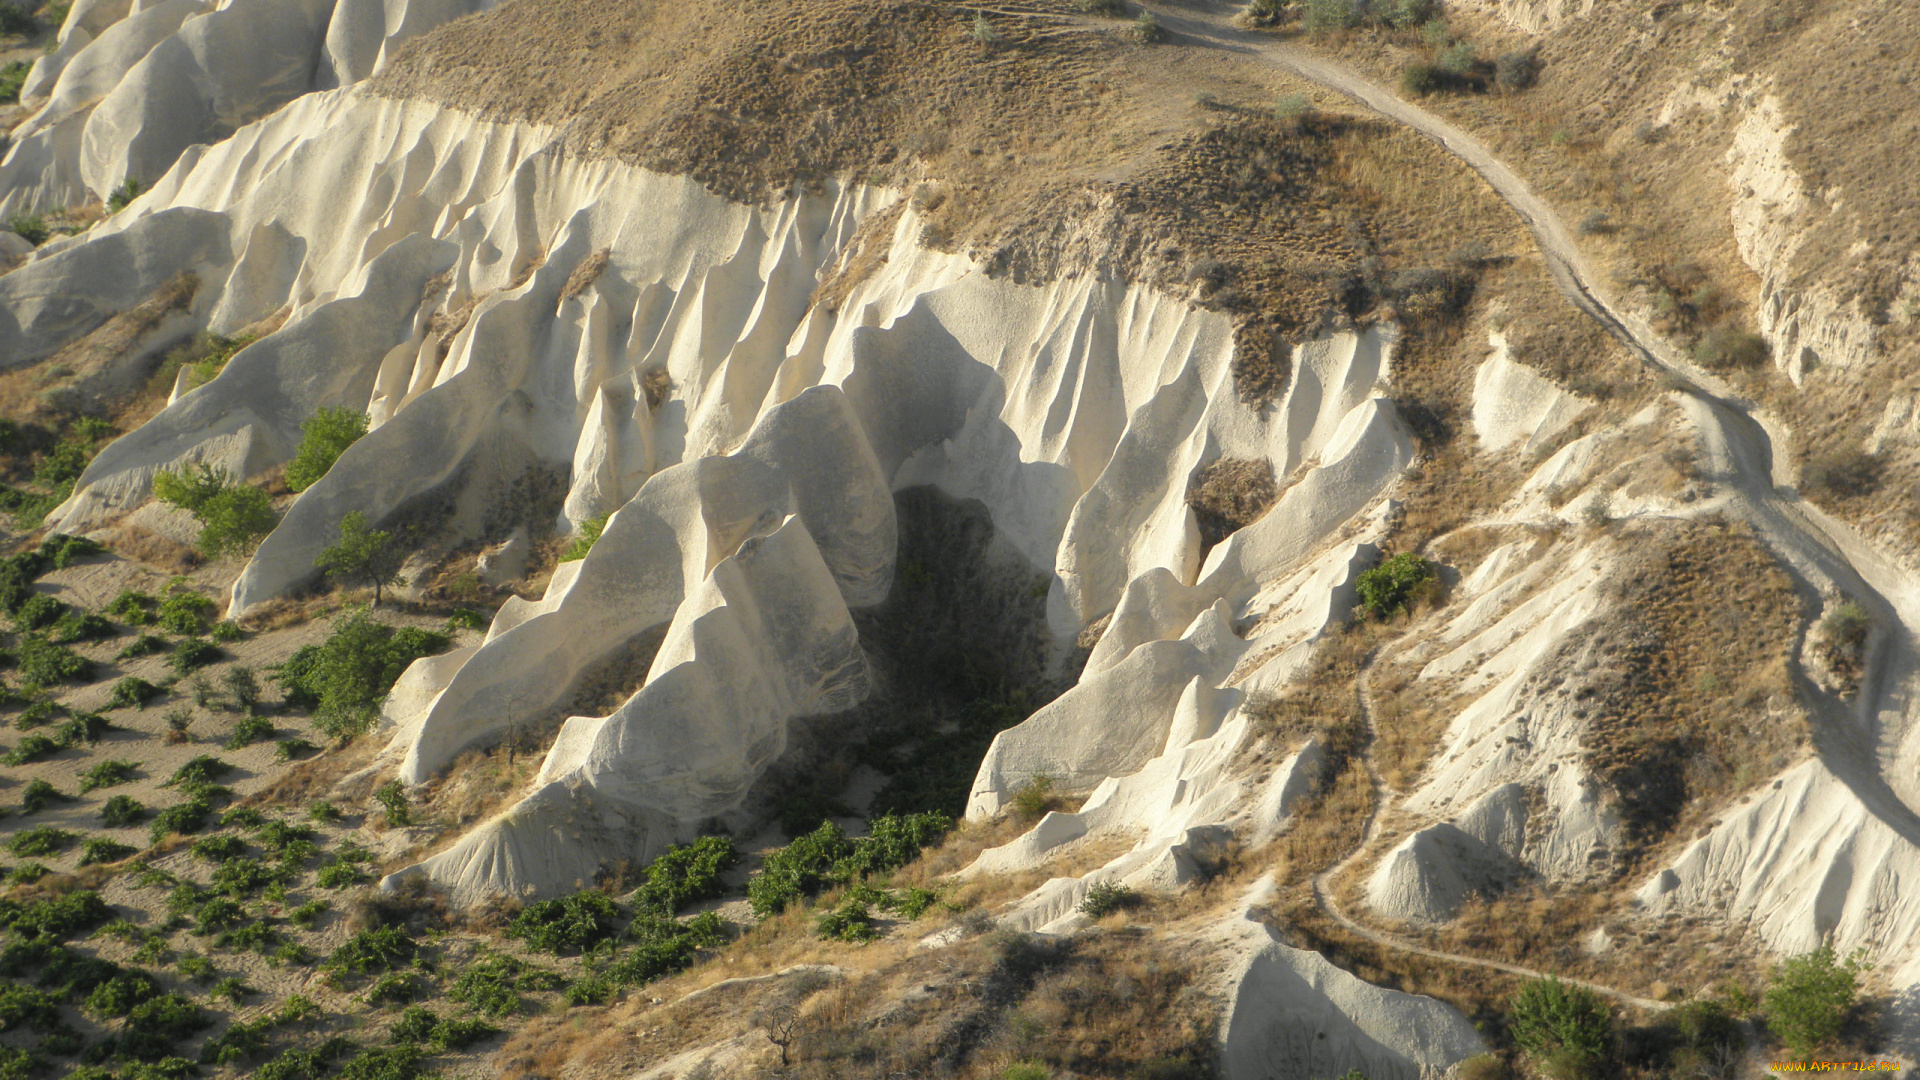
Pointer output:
x,y
1597,135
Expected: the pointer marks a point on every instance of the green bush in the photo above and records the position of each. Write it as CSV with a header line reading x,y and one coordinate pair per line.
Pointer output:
x,y
185,613
118,199
226,630
392,797
242,685
910,903
323,438
30,749
1811,997
121,811
1387,588
1404,14
192,653
43,663
39,611
144,645
102,850
1322,16
306,1063
249,730
492,985
37,714
156,1026
1146,28
78,626
465,619
30,227
893,841
339,875
568,924
39,794
134,608
386,1063
62,918
364,554
219,848
396,988
132,692
233,516
686,874
13,76
184,817
1423,79
460,1034
382,948
204,358
27,873
1458,58
1567,1024
663,946
344,678
850,921
81,729
117,996
584,540
1035,797
1106,897
1517,70
799,870
827,857
1725,347
198,772
110,773
291,750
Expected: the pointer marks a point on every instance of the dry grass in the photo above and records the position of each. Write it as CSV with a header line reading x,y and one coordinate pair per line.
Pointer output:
x,y
1691,697
585,274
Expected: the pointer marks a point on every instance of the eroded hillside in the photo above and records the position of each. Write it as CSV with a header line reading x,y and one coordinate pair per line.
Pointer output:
x,y
891,538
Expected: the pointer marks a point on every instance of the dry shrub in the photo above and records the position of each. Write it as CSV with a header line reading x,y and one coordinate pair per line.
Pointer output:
x,y
413,905
585,274
307,782
1230,494
151,549
656,384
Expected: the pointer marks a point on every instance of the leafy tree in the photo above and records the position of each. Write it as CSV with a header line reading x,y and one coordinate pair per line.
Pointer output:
x,y
1811,997
323,438
233,516
364,554
1385,589
1562,1025
343,679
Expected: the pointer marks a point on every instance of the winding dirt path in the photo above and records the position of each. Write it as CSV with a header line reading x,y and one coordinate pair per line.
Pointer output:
x,y
1329,902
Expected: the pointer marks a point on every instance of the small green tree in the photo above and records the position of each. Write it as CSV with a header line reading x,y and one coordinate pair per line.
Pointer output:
x,y
364,554
392,797
1386,589
233,516
323,438
1565,1028
1811,997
